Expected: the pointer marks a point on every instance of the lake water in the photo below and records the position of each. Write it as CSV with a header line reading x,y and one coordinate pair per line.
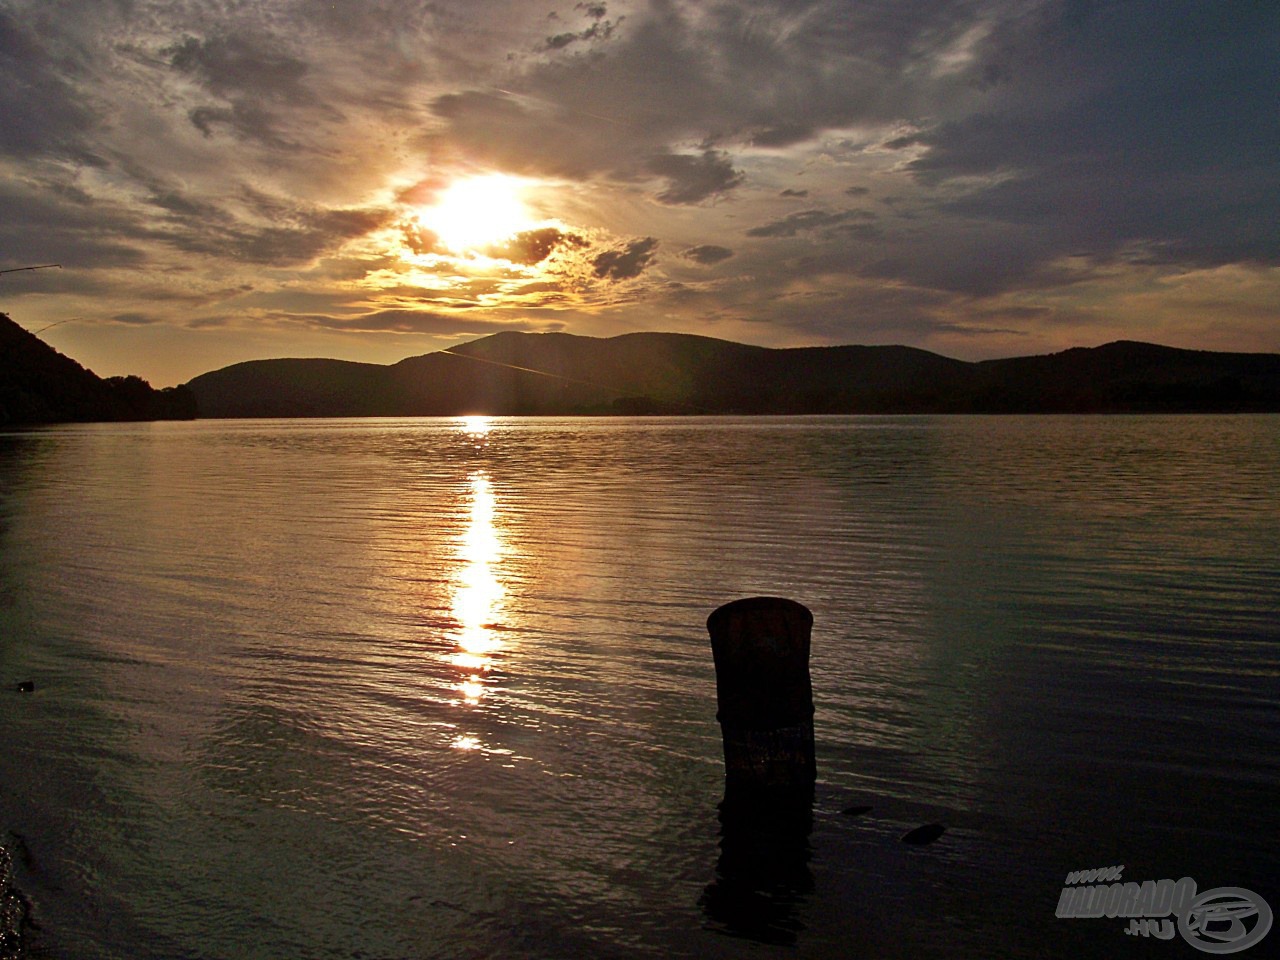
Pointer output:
x,y
443,688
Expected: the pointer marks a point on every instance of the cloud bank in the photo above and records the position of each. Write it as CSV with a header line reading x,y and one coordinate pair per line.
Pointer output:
x,y
980,178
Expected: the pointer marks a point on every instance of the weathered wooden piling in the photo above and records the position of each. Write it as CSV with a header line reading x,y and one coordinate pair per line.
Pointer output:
x,y
765,698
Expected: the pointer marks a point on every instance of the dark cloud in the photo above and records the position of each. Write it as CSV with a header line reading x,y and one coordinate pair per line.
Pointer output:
x,y
600,30
476,106
782,135
43,109
753,72
1168,148
418,238
885,313
707,253
961,257
794,193
534,246
901,143
857,191
302,235
694,178
415,321
516,134
422,193
391,28
177,204
538,287
810,220
627,262
247,119
319,230
238,64
255,76
974,330
561,40
49,226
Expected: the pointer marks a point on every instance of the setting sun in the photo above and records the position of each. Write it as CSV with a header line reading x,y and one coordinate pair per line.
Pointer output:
x,y
478,211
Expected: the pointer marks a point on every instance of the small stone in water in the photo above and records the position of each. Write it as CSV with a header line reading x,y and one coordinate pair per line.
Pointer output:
x,y
926,834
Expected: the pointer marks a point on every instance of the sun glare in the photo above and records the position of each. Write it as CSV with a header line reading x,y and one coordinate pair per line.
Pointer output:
x,y
476,212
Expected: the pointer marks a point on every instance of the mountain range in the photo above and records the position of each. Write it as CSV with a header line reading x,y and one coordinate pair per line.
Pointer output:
x,y
647,373
665,373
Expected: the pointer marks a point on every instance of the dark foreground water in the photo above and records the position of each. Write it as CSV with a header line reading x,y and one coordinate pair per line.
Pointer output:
x,y
442,688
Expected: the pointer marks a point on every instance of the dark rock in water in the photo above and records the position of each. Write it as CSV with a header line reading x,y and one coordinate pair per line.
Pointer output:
x,y
926,834
26,686
856,811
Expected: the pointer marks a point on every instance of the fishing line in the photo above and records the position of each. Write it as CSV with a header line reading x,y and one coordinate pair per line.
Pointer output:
x,y
560,376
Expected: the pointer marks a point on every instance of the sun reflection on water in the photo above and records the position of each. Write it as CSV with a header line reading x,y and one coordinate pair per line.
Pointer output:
x,y
478,594
477,430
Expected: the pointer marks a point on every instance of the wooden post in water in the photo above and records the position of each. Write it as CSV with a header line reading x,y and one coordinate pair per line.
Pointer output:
x,y
765,700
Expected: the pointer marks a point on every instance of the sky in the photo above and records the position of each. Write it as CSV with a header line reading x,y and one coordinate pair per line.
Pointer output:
x,y
225,180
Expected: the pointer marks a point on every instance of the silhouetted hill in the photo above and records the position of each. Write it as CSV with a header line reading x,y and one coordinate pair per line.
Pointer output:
x,y
557,373
40,385
1128,376
298,388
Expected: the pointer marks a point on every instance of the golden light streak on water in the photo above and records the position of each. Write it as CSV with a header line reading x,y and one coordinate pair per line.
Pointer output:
x,y
478,593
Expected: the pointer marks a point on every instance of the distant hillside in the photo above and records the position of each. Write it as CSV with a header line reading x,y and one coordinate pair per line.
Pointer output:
x,y
40,385
556,373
